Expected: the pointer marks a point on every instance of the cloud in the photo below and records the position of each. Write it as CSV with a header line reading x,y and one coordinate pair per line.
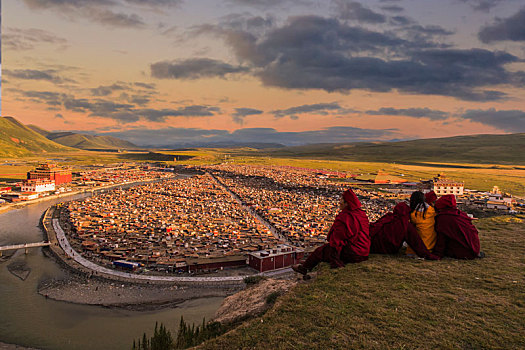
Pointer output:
x,y
355,11
392,8
506,120
317,108
96,10
314,52
147,86
266,4
107,90
482,5
26,39
456,73
127,113
511,28
241,113
194,68
155,3
50,98
181,137
49,75
411,112
114,19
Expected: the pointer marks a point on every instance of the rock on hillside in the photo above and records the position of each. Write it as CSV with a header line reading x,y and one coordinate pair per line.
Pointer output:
x,y
251,301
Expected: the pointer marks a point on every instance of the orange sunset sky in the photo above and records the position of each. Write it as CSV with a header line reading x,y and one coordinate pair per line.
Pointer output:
x,y
175,72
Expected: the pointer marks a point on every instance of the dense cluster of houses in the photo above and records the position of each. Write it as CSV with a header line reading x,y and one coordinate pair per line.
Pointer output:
x,y
167,225
193,223
300,203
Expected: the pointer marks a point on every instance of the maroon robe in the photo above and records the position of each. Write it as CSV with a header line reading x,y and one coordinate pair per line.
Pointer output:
x,y
430,197
348,238
390,231
457,237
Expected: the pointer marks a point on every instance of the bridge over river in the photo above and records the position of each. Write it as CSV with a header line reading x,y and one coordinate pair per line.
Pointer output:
x,y
25,246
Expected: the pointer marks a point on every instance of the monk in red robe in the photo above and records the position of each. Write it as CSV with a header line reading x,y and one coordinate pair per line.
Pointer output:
x,y
457,237
431,197
389,232
348,238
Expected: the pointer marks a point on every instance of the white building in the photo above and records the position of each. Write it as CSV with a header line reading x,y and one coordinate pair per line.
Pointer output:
x,y
38,186
443,186
498,200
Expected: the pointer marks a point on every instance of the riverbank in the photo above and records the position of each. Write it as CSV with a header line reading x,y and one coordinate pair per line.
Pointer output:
x,y
137,297
5,346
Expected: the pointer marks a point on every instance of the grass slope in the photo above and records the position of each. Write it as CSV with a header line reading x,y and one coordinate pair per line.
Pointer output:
x,y
84,141
486,149
17,140
393,302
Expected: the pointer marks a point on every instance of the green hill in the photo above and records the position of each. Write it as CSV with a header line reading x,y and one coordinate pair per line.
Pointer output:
x,y
85,141
488,149
18,140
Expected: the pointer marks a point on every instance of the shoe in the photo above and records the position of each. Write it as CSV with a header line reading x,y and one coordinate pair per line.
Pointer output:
x,y
300,269
481,255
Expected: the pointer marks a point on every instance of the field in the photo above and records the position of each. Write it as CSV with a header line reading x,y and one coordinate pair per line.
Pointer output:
x,y
393,302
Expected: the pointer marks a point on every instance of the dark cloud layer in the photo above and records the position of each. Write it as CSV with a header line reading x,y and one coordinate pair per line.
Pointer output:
x,y
411,112
313,52
506,120
511,28
194,68
192,137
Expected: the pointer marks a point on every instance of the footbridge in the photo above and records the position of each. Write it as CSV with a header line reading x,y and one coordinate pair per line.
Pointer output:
x,y
25,246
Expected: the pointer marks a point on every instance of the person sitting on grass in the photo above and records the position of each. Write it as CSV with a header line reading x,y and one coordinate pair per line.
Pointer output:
x,y
457,236
389,232
348,238
422,216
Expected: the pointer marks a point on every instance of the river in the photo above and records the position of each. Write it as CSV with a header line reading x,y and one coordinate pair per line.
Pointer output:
x,y
27,318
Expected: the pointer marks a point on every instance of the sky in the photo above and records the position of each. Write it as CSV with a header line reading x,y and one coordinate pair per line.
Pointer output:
x,y
181,72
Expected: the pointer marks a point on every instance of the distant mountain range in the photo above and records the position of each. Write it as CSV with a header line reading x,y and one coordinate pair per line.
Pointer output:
x,y
17,139
491,149
221,144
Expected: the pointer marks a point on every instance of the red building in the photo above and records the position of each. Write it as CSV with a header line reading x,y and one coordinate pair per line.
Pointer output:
x,y
50,172
275,258
5,189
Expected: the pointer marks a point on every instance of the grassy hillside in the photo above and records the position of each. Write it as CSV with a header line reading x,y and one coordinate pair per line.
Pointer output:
x,y
84,141
487,149
393,302
17,140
